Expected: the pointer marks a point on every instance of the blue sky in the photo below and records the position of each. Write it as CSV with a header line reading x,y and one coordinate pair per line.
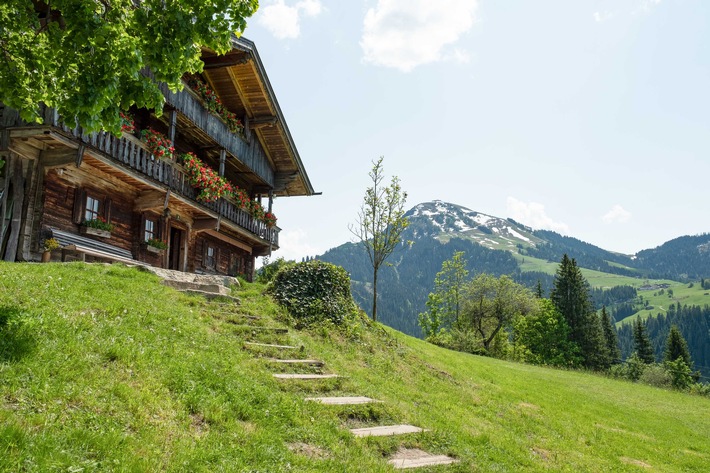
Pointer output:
x,y
587,117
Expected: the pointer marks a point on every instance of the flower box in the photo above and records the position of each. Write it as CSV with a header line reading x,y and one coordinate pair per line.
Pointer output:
x,y
152,249
95,231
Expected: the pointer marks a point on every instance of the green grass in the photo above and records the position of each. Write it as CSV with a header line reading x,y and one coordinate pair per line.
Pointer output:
x,y
104,369
682,294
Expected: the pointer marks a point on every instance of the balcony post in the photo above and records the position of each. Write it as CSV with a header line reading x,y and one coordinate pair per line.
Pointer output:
x,y
222,161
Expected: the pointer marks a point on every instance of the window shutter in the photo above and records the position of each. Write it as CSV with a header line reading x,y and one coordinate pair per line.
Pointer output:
x,y
108,203
79,205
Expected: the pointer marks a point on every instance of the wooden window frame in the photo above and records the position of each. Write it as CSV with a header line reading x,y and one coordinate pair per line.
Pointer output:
x,y
207,245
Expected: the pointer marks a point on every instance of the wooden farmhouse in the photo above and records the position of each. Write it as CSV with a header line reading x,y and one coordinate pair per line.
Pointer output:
x,y
190,190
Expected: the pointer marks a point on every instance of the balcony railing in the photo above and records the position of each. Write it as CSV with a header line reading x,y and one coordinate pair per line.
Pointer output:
x,y
248,152
134,156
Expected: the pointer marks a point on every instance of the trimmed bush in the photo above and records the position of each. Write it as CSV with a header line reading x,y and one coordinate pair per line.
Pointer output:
x,y
314,291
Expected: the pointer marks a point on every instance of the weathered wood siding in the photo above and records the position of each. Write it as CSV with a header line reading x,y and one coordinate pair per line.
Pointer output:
x,y
250,153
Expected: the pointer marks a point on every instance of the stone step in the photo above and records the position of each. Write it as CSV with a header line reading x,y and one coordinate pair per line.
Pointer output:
x,y
253,328
209,295
268,345
415,458
342,401
296,362
304,376
237,315
172,275
196,286
386,430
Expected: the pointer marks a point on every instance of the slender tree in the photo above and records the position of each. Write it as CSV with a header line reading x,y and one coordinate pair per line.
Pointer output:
x,y
642,343
610,338
570,295
380,222
677,347
85,57
444,304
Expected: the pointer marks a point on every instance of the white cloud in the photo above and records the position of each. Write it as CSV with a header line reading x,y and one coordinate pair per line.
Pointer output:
x,y
284,21
617,214
647,5
602,16
533,214
294,245
404,34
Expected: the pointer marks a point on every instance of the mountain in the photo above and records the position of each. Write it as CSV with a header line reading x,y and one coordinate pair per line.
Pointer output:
x,y
499,246
684,258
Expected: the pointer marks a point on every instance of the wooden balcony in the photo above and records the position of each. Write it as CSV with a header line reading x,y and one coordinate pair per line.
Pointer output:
x,y
131,154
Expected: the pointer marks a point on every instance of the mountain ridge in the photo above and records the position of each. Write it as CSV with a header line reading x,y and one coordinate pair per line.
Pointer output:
x,y
498,246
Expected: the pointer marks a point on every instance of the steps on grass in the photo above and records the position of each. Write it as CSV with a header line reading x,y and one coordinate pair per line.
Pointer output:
x,y
342,401
414,458
207,285
269,345
296,362
387,430
306,376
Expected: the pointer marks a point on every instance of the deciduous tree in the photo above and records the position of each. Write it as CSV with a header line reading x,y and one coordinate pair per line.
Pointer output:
x,y
380,222
85,57
491,303
444,303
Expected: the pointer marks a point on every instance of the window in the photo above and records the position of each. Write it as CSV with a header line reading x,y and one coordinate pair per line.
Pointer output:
x,y
149,232
210,256
92,208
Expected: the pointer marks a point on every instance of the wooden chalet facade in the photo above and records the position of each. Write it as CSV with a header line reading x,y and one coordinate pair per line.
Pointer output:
x,y
56,178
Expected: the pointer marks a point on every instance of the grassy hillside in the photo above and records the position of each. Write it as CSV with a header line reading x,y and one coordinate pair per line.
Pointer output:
x,y
104,369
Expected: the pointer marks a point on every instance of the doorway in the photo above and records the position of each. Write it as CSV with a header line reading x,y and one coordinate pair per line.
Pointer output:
x,y
175,253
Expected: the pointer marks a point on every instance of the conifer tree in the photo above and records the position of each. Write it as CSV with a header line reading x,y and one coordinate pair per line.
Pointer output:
x,y
610,337
539,293
642,343
677,347
570,295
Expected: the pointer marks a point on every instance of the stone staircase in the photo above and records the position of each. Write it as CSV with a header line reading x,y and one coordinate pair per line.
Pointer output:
x,y
404,458
206,285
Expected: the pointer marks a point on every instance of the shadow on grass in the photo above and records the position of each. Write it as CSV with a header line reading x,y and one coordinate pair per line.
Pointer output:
x,y
15,342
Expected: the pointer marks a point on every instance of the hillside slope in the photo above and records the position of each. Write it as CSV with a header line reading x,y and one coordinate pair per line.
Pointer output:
x,y
104,369
491,244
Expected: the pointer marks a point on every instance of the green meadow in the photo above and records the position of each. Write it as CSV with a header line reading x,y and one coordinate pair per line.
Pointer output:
x,y
104,369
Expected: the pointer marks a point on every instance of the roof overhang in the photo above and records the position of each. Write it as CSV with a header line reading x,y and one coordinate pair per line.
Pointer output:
x,y
239,78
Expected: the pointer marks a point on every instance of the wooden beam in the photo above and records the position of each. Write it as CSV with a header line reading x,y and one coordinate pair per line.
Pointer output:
x,y
222,160
231,241
18,193
167,200
262,122
203,224
228,60
80,154
24,149
149,200
173,126
56,158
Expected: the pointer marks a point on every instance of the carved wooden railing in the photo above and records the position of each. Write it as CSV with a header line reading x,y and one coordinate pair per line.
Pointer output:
x,y
134,155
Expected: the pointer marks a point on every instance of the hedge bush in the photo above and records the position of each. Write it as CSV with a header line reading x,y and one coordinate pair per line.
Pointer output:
x,y
313,291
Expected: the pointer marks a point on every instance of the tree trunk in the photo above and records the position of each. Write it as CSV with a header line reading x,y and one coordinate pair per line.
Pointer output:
x,y
374,297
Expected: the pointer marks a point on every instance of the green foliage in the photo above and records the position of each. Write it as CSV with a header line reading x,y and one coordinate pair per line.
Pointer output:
x,y
611,339
656,375
444,304
380,222
570,295
677,348
314,291
266,273
84,58
542,337
491,304
680,374
642,344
